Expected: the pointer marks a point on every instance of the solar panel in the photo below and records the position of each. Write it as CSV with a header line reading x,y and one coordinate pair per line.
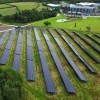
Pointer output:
x,y
28,36
18,49
19,40
37,37
48,80
36,34
9,45
64,76
11,37
46,37
39,46
51,33
29,53
50,46
16,63
58,42
4,57
78,72
30,71
1,41
97,35
29,42
5,34
93,39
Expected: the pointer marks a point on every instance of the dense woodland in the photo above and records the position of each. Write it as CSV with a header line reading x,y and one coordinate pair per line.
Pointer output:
x,y
30,15
71,1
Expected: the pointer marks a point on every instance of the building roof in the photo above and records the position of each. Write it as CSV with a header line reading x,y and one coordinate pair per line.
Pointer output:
x,y
53,5
84,7
88,4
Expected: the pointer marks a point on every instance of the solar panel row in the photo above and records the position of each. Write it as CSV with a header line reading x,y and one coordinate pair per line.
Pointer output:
x,y
4,57
16,63
18,49
5,34
73,65
79,56
93,39
87,42
1,41
88,52
9,45
29,42
64,76
30,62
97,35
49,83
47,76
6,52
3,37
19,39
30,71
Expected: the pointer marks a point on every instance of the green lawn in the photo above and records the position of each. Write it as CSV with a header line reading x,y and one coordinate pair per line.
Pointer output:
x,y
19,6
81,24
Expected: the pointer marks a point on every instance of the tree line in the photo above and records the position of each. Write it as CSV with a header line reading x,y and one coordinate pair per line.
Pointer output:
x,y
26,16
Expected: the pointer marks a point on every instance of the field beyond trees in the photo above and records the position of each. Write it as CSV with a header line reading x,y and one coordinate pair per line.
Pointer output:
x,y
12,8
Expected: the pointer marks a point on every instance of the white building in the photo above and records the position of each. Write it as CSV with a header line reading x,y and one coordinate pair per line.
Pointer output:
x,y
89,4
53,6
81,8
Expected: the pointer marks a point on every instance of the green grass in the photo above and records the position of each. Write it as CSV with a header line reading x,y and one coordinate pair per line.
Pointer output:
x,y
93,22
15,7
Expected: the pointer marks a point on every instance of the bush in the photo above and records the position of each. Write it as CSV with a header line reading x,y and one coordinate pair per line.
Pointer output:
x,y
10,85
88,28
47,23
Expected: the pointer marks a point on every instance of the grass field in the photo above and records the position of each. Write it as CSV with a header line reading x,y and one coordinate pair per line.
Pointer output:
x,y
93,22
85,91
11,8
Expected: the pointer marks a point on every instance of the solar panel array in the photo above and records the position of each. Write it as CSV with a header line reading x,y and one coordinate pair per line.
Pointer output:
x,y
3,37
16,63
81,46
6,52
47,76
30,62
98,50
77,54
71,62
63,74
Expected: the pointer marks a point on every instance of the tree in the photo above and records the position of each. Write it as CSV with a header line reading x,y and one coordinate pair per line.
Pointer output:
x,y
88,28
47,23
10,85
75,24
